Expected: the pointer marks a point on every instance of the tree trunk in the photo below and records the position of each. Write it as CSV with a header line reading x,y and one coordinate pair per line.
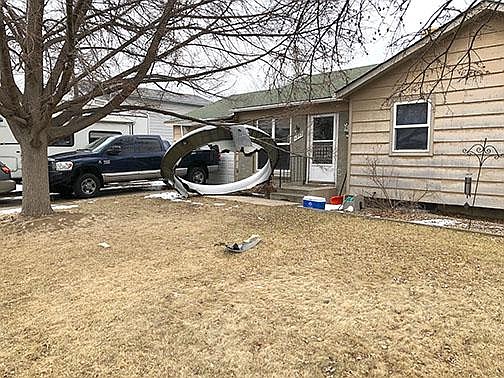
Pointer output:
x,y
36,201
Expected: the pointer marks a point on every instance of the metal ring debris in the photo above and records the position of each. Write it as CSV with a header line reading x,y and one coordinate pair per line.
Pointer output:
x,y
241,138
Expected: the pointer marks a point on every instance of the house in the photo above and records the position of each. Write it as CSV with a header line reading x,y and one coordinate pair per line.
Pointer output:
x,y
303,118
394,131
411,117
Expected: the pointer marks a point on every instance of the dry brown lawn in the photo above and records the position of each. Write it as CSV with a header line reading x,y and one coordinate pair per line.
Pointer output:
x,y
323,295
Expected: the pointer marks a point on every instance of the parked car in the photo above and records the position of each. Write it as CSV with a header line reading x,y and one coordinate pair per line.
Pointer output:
x,y
116,159
6,184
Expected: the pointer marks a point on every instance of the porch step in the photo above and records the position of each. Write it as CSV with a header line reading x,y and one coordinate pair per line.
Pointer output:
x,y
306,189
283,196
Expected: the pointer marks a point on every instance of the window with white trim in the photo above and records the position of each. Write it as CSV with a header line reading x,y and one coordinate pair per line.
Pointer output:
x,y
412,121
279,130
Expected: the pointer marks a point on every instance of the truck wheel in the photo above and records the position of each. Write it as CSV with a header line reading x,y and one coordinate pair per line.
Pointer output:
x,y
197,175
87,185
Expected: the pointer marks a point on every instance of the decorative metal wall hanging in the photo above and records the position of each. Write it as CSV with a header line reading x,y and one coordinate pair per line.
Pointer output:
x,y
483,152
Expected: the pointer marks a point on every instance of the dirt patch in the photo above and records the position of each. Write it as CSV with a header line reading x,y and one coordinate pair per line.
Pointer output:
x,y
324,294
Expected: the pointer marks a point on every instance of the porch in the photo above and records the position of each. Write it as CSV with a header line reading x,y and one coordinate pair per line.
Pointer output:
x,y
291,182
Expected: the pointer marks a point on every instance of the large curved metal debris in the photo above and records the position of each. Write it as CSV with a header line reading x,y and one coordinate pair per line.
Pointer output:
x,y
245,139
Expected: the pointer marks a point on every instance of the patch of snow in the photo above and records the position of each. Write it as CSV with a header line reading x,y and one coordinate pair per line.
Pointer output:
x,y
170,196
142,184
439,222
64,207
17,210
330,207
10,211
157,183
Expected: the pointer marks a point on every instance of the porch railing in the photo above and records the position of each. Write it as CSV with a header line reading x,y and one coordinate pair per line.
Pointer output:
x,y
294,172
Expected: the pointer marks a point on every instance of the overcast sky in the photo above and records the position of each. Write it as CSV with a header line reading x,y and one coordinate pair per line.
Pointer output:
x,y
253,78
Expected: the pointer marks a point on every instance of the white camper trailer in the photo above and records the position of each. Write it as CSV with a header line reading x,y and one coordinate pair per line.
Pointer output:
x,y
113,124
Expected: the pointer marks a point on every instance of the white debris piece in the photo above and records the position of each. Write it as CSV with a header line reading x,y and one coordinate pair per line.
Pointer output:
x,y
439,222
219,204
104,245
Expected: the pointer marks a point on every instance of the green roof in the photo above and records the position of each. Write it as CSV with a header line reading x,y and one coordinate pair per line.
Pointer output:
x,y
305,89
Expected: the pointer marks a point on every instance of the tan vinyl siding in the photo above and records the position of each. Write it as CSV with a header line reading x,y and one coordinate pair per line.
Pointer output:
x,y
464,112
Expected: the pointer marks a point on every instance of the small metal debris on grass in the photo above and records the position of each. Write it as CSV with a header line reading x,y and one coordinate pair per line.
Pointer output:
x,y
245,246
104,245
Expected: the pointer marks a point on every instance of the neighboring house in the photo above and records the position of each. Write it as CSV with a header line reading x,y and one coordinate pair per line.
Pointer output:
x,y
134,122
166,101
412,116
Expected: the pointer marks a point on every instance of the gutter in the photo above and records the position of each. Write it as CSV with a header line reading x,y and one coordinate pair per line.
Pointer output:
x,y
288,104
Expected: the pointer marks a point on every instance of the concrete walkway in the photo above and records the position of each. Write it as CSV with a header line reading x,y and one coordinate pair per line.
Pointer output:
x,y
255,200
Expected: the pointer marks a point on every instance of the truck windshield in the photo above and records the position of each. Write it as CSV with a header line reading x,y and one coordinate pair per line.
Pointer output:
x,y
98,144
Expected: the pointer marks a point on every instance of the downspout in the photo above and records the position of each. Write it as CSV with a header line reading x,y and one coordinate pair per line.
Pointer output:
x,y
349,147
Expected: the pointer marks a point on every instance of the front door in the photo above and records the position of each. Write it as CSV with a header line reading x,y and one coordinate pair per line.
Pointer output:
x,y
323,148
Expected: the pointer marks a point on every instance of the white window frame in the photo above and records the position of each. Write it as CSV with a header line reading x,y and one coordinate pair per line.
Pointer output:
x,y
410,126
273,136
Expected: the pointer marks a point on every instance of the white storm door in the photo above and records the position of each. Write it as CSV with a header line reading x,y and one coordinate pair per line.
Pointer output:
x,y
323,148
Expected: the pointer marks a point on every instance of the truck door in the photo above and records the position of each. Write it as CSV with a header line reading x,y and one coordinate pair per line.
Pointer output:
x,y
149,152
120,166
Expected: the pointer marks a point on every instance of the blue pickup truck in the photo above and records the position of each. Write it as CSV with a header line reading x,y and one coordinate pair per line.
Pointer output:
x,y
123,158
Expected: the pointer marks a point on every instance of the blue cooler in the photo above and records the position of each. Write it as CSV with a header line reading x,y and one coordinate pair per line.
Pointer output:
x,y
314,202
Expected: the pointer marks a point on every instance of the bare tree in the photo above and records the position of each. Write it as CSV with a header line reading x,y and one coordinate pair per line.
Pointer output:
x,y
57,56
431,69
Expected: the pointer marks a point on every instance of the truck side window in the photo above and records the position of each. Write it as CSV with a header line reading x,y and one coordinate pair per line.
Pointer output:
x,y
148,145
126,143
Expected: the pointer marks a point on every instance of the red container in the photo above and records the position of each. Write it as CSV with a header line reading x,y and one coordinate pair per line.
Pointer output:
x,y
336,200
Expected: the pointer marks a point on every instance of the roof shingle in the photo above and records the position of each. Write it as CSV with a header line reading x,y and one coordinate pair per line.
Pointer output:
x,y
304,89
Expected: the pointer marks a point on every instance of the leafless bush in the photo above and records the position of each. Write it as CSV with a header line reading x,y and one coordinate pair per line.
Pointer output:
x,y
389,196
